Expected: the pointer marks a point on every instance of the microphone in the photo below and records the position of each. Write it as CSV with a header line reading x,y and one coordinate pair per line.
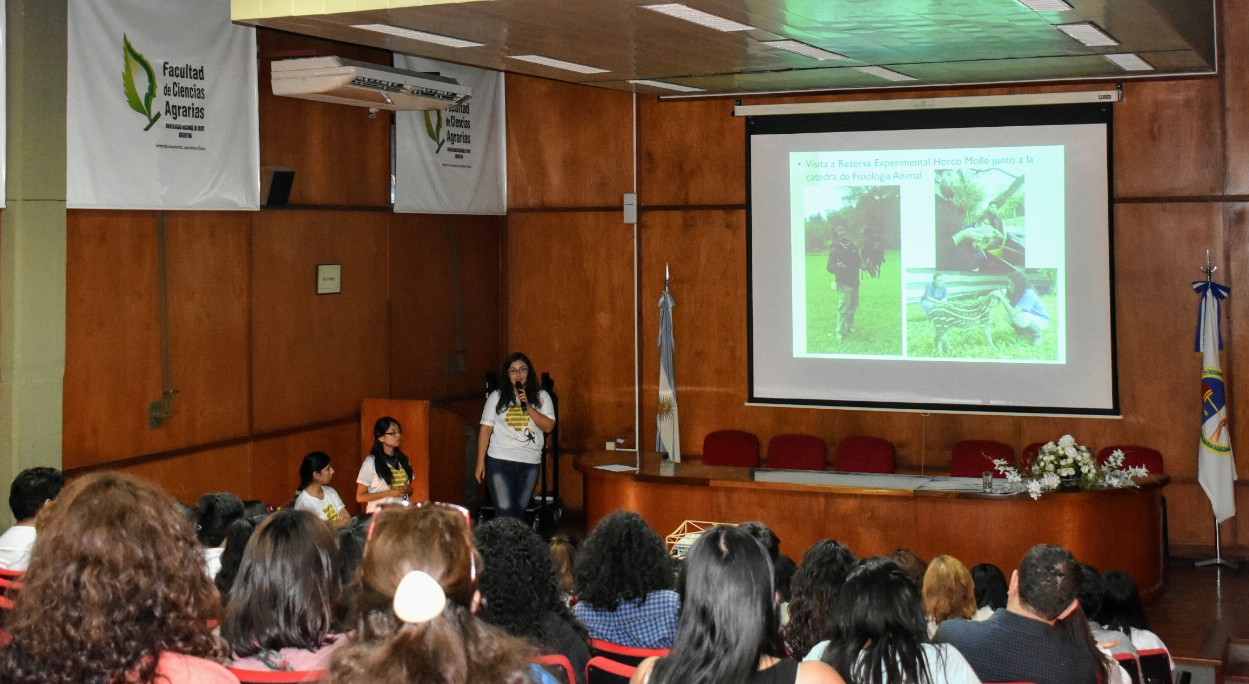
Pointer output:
x,y
520,386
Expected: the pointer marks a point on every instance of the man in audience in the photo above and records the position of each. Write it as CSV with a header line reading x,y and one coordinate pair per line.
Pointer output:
x,y
32,489
1028,641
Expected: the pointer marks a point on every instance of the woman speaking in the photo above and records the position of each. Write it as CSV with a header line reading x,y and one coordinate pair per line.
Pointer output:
x,y
509,446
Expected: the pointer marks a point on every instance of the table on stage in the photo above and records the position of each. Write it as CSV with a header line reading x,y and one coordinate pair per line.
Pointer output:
x,y
1115,529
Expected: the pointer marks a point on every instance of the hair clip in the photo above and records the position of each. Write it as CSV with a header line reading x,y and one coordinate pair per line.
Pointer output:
x,y
419,598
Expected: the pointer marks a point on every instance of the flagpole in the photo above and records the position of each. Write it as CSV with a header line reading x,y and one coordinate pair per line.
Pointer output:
x,y
1218,559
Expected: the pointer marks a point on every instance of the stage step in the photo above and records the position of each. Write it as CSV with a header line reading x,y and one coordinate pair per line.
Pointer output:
x,y
1236,661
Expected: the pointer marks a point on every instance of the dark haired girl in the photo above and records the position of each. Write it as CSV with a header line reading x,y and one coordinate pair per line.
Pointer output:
x,y
881,632
386,474
315,494
513,427
728,628
280,615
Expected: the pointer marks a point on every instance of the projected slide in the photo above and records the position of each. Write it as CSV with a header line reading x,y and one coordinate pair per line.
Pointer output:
x,y
963,266
924,253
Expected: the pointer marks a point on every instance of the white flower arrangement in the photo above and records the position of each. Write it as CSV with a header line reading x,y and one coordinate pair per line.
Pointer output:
x,y
1067,463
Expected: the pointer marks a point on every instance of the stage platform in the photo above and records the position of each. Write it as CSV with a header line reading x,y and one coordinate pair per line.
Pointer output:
x,y
1196,613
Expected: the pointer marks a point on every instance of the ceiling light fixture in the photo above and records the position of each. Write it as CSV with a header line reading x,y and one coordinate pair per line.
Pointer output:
x,y
666,86
884,73
699,17
1088,33
1129,61
1046,5
802,49
559,64
955,102
413,34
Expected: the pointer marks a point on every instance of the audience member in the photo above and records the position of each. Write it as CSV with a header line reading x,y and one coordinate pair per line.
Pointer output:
x,y
948,592
765,535
1121,609
881,632
990,590
213,514
115,592
729,625
785,569
1091,593
564,554
351,542
910,561
624,579
1035,639
415,612
255,508
814,590
237,536
315,494
518,585
281,611
30,491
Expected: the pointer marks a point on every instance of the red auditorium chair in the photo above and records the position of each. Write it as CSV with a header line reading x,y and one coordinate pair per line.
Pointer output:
x,y
558,665
731,448
1136,456
863,454
797,452
601,670
1028,456
971,457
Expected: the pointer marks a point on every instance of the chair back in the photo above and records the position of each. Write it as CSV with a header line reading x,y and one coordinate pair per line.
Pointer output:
x,y
629,655
558,665
10,574
603,670
1028,456
1128,662
797,452
731,448
862,454
971,457
271,677
1155,665
1134,455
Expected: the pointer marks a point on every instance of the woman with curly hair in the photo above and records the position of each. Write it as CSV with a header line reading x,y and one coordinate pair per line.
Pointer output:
x,y
728,630
115,592
281,610
880,633
518,585
813,594
624,584
948,591
416,609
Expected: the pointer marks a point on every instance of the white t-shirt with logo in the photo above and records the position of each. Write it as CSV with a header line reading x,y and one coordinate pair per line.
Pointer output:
x,y
515,436
329,508
370,479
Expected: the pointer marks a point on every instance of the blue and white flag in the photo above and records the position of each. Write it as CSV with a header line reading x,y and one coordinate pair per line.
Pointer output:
x,y
1216,469
668,436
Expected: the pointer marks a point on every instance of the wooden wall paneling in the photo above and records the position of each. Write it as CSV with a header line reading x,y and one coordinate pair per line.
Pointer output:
x,y
190,476
1235,70
275,462
209,295
567,145
691,152
316,356
452,472
340,154
112,345
444,303
1234,274
570,307
1169,139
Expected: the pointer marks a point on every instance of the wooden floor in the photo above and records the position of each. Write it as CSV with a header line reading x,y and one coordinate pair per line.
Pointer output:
x,y
1200,609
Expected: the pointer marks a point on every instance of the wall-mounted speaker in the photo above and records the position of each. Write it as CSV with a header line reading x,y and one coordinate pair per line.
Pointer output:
x,y
275,185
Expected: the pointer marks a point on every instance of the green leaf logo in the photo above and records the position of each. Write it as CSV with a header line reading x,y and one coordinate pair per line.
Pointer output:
x,y
133,61
433,128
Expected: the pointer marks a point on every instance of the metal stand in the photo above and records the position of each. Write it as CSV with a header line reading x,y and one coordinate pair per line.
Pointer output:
x,y
1218,555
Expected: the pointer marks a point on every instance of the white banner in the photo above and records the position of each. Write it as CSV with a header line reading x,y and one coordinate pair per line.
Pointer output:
x,y
453,161
162,106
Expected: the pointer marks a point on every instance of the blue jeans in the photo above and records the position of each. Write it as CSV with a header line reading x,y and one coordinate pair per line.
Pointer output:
x,y
511,486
